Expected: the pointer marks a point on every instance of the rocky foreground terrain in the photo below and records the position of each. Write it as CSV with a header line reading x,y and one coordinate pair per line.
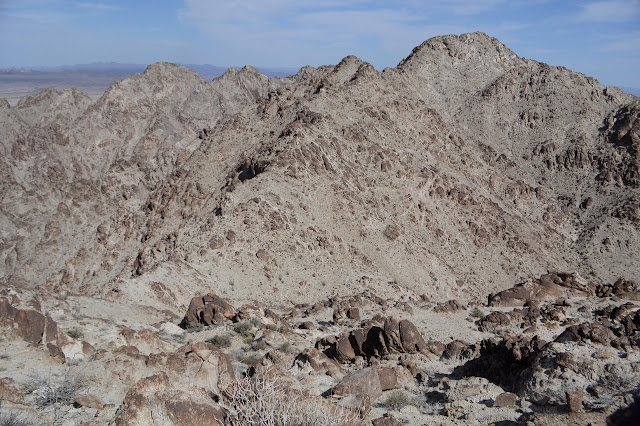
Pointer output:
x,y
453,241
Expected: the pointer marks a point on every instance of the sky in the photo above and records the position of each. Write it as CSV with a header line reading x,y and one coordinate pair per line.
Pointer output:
x,y
598,38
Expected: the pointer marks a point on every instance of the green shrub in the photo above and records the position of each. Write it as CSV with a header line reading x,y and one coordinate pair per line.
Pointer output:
x,y
243,328
258,346
249,359
396,400
285,346
75,333
194,327
221,341
477,313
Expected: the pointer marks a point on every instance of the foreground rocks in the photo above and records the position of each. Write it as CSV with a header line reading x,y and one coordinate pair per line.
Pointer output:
x,y
540,362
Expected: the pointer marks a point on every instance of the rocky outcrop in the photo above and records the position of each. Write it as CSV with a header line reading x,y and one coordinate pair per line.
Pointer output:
x,y
207,310
154,400
549,287
392,336
30,325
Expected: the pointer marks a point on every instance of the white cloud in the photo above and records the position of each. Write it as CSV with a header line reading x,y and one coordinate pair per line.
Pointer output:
x,y
628,42
313,32
610,11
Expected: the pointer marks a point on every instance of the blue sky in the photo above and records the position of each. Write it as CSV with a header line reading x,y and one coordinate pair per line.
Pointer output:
x,y
598,38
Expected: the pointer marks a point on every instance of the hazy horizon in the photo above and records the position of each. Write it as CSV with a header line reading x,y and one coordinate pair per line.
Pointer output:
x,y
598,38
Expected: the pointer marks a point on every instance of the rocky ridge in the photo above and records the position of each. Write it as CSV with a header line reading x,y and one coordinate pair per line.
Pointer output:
x,y
339,199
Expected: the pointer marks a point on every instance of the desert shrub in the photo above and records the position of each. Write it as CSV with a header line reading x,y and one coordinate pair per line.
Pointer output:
x,y
75,333
15,419
194,327
396,400
52,390
272,327
259,345
267,402
256,322
243,328
221,341
249,359
477,313
285,346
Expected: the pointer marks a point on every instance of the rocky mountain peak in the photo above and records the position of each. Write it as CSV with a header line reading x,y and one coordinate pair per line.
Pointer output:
x,y
334,218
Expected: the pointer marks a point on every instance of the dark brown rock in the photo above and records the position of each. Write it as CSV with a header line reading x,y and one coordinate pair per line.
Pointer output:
x,y
10,393
361,382
207,310
56,352
388,378
306,325
411,338
344,350
448,306
627,416
30,324
493,321
7,313
353,313
156,397
392,334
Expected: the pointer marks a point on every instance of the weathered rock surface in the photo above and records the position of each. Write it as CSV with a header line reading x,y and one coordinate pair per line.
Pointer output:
x,y
313,202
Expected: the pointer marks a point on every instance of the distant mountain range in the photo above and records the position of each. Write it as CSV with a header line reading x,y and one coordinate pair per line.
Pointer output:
x,y
206,71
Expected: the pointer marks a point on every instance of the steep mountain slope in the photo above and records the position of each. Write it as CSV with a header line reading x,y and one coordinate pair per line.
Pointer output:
x,y
461,171
70,163
454,232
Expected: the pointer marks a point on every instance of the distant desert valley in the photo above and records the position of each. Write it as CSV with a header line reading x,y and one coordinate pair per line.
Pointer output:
x,y
453,241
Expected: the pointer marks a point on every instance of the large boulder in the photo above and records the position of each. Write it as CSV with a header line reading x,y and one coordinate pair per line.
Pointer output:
x,y
207,310
155,400
30,325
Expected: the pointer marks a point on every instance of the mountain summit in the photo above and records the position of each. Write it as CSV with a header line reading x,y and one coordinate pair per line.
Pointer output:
x,y
463,176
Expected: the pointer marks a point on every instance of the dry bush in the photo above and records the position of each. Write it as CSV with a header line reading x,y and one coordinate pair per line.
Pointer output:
x,y
15,419
267,402
51,391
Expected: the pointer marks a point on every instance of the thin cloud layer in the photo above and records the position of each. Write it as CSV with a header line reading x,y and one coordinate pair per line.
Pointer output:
x,y
279,33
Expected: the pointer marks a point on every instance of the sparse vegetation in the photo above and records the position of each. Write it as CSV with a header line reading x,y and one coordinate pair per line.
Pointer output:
x,y
477,313
396,400
285,346
243,328
75,333
53,390
15,419
267,402
221,341
249,359
259,345
194,327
